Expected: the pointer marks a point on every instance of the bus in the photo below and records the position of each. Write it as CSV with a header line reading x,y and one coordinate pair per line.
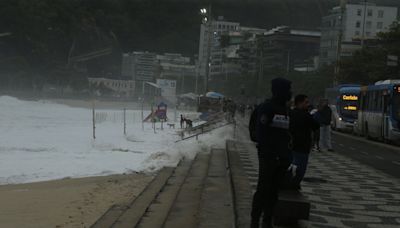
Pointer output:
x,y
210,105
379,114
344,102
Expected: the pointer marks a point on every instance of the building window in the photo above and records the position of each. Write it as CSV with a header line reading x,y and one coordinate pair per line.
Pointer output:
x,y
379,25
357,33
368,34
369,24
334,23
359,12
223,26
358,24
328,24
369,13
380,14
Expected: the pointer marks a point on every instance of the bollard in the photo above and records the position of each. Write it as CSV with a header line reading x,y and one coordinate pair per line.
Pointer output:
x,y
124,121
142,115
234,129
94,121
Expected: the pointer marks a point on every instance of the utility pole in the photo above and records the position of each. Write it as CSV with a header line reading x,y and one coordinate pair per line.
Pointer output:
x,y
260,74
288,62
339,42
182,80
363,28
197,78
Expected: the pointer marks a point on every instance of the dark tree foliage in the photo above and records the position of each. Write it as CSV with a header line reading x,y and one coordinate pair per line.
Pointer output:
x,y
45,33
370,64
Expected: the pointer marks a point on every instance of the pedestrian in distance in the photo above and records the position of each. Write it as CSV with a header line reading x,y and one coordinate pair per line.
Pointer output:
x,y
301,126
324,118
182,121
271,122
189,123
315,133
231,110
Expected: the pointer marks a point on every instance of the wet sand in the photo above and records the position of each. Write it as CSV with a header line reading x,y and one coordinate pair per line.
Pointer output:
x,y
68,202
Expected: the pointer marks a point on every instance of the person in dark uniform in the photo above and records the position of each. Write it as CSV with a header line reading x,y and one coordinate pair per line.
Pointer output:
x,y
273,137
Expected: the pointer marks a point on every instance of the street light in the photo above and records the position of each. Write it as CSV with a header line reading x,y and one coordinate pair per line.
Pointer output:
x,y
207,21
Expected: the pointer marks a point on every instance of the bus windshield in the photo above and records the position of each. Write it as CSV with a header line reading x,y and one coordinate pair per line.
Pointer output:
x,y
348,109
396,106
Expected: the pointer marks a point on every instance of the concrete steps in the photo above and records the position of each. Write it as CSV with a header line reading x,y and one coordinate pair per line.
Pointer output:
x,y
194,194
216,208
128,215
184,212
158,211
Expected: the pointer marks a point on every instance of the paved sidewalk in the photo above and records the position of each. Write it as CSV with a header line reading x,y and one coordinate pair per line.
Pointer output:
x,y
342,191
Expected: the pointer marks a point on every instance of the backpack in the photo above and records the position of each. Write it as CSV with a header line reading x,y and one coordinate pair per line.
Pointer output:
x,y
252,125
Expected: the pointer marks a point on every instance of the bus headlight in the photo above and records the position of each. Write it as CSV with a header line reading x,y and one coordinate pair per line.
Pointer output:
x,y
340,119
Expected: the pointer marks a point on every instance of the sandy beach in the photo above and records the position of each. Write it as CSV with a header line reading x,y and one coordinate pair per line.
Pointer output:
x,y
68,202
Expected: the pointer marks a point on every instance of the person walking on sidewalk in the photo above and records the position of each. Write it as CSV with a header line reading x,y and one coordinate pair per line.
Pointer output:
x,y
272,135
315,133
324,117
301,126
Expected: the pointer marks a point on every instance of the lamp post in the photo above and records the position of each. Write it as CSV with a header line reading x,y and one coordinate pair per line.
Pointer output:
x,y
339,43
207,21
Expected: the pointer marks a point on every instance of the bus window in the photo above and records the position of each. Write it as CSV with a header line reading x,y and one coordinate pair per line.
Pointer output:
x,y
369,101
375,101
364,101
379,101
385,103
396,106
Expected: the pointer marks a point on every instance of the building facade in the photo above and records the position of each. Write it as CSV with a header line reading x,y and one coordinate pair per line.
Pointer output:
x,y
288,49
210,42
175,65
347,28
140,66
168,89
240,51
